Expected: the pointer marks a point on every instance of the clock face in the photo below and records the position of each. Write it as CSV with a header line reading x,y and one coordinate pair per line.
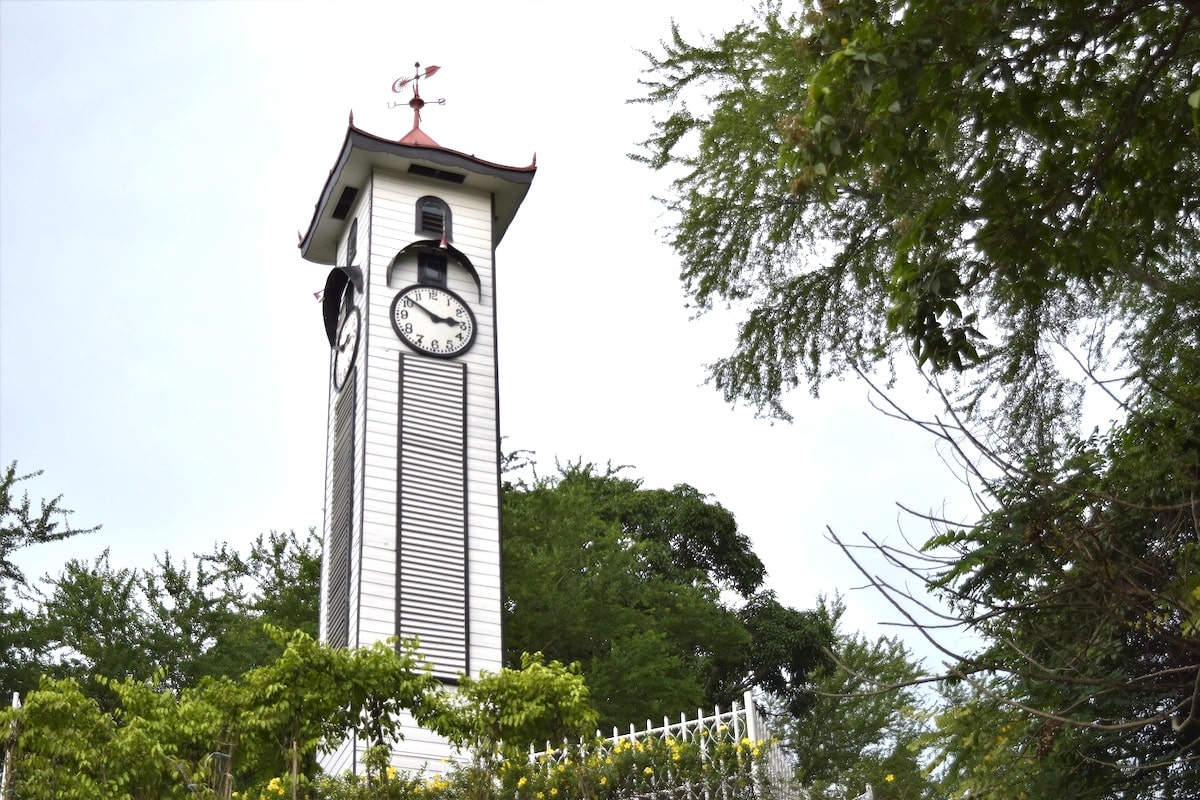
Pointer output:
x,y
345,346
433,321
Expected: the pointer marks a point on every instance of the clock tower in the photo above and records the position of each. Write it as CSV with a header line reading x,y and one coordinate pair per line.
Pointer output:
x,y
412,506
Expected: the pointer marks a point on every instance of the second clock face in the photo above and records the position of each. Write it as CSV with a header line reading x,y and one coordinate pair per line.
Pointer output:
x,y
345,347
433,321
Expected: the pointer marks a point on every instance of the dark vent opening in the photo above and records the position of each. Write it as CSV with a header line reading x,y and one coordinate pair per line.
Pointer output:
x,y
342,209
431,269
433,217
440,174
432,221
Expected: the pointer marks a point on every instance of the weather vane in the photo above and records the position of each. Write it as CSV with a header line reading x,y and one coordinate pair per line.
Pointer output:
x,y
416,103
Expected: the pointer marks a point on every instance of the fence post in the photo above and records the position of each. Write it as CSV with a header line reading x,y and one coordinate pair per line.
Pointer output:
x,y
10,745
752,728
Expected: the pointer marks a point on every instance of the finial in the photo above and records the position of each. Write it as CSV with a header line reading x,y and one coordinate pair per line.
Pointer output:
x,y
352,118
416,136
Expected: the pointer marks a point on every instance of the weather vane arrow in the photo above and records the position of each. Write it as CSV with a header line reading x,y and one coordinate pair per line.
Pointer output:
x,y
400,83
416,135
416,103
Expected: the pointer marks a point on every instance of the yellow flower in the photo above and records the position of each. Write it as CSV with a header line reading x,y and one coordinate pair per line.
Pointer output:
x,y
604,780
890,777
522,781
648,770
554,791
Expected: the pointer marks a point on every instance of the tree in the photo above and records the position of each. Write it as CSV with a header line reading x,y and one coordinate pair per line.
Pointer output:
x,y
202,741
860,730
174,622
21,656
503,714
628,582
1009,192
976,183
1085,580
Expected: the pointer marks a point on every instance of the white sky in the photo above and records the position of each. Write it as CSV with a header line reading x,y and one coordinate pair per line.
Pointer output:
x,y
161,354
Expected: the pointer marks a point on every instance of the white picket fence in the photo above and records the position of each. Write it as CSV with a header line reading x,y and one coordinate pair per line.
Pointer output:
x,y
768,776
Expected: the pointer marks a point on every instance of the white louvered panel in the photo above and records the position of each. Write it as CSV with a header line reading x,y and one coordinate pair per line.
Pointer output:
x,y
432,573
337,598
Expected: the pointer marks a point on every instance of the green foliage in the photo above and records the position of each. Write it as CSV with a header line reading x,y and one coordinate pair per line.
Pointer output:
x,y
714,764
1084,580
867,725
313,694
68,747
505,713
628,582
1009,193
173,622
21,526
221,734
23,653
970,182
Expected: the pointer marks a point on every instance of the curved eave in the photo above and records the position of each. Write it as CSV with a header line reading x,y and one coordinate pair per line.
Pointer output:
x,y
363,153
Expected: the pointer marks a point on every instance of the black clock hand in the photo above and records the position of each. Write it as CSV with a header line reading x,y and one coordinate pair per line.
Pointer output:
x,y
435,317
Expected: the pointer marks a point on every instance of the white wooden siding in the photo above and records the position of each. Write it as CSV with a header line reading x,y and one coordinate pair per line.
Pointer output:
x,y
462,640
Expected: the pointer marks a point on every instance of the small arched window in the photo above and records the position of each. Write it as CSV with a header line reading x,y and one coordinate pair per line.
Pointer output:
x,y
352,243
433,217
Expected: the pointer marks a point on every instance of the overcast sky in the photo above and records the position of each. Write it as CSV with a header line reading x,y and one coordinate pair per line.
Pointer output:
x,y
162,357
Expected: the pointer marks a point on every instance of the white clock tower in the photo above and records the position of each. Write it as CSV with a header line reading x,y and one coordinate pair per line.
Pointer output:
x,y
411,532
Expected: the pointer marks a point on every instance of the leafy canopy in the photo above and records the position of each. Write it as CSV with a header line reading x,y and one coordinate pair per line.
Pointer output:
x,y
631,584
976,183
1010,193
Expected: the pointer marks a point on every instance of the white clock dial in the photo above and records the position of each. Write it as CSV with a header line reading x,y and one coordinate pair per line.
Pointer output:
x,y
345,347
433,321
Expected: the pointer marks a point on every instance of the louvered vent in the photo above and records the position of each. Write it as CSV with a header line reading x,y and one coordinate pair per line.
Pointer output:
x,y
337,549
432,221
433,217
431,601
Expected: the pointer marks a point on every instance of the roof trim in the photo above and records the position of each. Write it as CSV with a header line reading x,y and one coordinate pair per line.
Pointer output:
x,y
361,146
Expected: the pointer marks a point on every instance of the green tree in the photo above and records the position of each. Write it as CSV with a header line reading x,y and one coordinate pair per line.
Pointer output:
x,y
1084,579
861,730
977,183
174,622
499,716
22,653
202,741
1008,192
628,582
